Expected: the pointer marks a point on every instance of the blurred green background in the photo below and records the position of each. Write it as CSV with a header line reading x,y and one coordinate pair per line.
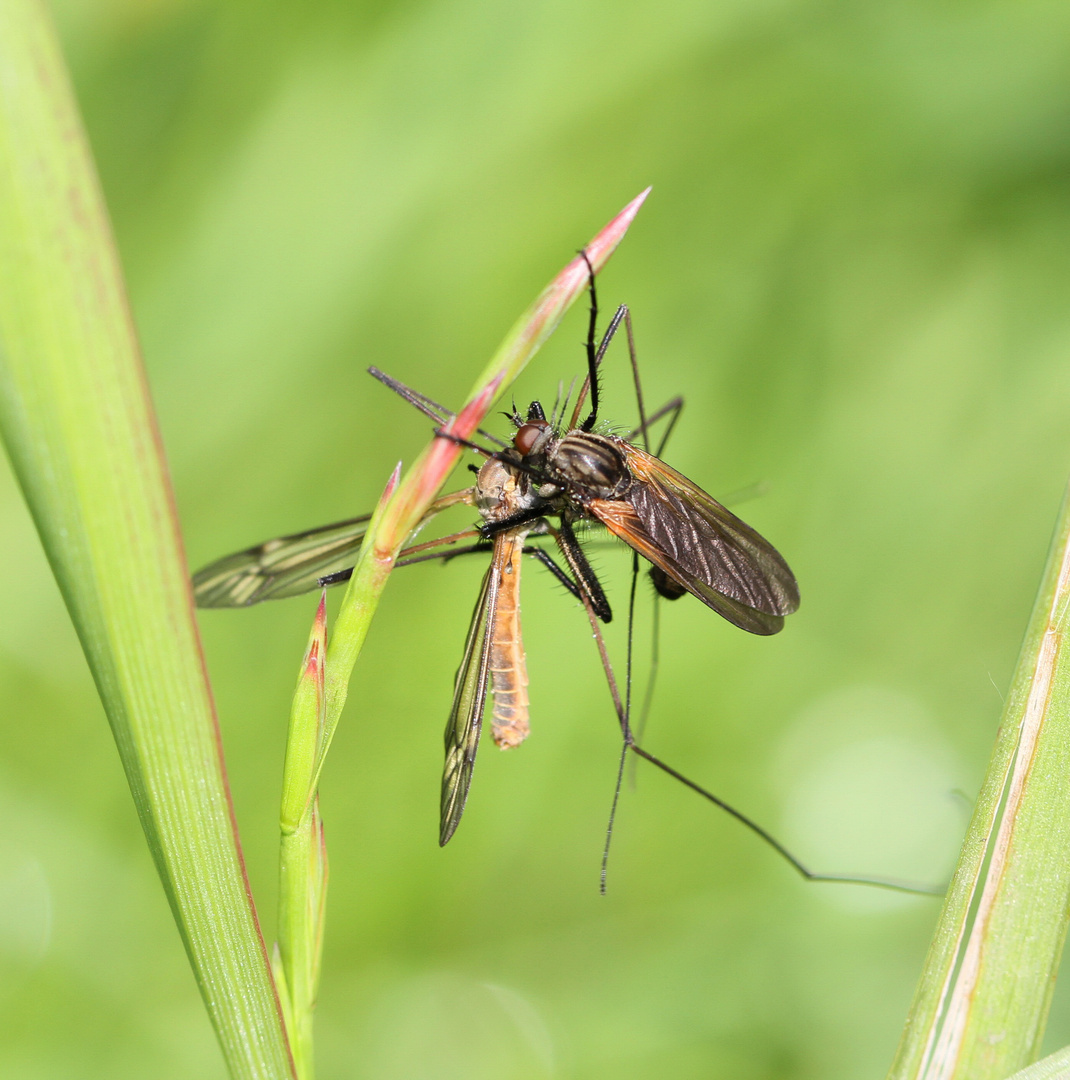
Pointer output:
x,y
855,264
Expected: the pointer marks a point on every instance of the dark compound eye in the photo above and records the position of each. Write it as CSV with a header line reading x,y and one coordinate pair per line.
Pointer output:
x,y
526,437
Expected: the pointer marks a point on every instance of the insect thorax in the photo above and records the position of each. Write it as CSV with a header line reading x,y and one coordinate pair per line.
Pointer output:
x,y
591,466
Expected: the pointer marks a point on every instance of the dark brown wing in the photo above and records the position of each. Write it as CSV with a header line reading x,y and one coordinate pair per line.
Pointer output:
x,y
469,699
285,566
697,542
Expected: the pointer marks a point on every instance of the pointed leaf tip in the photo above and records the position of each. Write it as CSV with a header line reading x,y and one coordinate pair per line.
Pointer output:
x,y
316,651
319,628
605,242
392,483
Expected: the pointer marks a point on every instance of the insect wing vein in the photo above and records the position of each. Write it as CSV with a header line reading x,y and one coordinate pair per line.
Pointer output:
x,y
708,541
469,698
621,519
286,566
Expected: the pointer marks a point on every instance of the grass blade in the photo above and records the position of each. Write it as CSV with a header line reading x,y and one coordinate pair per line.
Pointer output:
x,y
78,424
1054,1067
982,1002
303,855
405,502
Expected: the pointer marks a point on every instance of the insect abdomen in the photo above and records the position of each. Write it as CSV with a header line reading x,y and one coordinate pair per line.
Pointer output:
x,y
508,670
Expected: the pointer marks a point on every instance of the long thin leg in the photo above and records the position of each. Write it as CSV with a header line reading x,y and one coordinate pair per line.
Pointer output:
x,y
466,443
510,458
607,337
633,358
625,721
408,556
655,663
779,848
558,416
543,556
594,355
671,408
483,547
429,407
643,423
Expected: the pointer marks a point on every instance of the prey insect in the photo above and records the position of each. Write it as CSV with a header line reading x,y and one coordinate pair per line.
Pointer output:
x,y
494,654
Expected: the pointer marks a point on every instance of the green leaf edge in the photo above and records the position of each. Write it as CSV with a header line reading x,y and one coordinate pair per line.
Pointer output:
x,y
79,427
982,1002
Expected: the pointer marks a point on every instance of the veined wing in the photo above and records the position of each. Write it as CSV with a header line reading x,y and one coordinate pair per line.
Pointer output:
x,y
285,566
469,699
291,565
697,542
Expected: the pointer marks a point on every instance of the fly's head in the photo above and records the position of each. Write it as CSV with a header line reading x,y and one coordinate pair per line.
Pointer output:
x,y
536,442
502,492
534,437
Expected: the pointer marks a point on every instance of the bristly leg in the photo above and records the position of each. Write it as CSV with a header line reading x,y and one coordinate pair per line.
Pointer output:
x,y
592,352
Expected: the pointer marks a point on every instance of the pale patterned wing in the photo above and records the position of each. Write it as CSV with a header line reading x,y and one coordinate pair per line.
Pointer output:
x,y
285,566
697,542
469,699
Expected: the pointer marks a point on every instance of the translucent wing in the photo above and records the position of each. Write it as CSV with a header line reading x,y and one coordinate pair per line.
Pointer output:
x,y
285,566
699,544
291,565
469,698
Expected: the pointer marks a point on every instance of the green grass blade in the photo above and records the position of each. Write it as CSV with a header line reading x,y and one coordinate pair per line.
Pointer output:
x,y
404,502
982,1002
303,854
77,421
1054,1067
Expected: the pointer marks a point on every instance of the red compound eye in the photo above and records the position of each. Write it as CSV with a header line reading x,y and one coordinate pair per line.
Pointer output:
x,y
526,437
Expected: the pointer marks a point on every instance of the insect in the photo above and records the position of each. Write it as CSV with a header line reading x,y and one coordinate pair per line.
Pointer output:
x,y
493,650
494,654
572,474
694,543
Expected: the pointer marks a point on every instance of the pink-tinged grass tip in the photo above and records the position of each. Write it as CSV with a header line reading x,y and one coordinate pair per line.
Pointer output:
x,y
391,485
319,627
405,503
317,645
603,245
525,338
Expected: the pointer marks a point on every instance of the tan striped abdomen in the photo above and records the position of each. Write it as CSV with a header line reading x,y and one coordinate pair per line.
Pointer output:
x,y
508,671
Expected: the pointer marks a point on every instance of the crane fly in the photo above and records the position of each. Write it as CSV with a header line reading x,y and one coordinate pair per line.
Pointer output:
x,y
493,655
574,474
493,651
